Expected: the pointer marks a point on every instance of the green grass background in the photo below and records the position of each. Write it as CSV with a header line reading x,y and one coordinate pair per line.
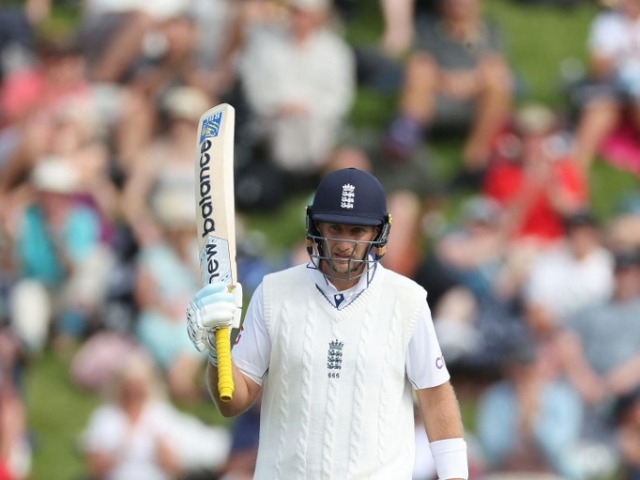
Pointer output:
x,y
537,38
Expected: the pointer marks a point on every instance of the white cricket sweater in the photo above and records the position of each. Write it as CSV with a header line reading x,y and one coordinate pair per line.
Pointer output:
x,y
337,403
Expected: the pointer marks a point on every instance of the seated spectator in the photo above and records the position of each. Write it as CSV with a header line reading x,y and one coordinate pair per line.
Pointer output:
x,y
129,437
566,279
460,272
470,253
528,423
61,258
534,178
299,84
53,112
456,78
137,433
610,98
478,312
600,346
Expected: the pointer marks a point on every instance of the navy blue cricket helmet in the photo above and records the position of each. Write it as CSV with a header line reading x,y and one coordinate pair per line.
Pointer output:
x,y
353,197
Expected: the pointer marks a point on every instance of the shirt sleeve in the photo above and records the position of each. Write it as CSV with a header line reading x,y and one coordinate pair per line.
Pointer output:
x,y
252,349
425,364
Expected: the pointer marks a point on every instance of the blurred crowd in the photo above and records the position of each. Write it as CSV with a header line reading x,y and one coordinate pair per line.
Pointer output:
x,y
535,299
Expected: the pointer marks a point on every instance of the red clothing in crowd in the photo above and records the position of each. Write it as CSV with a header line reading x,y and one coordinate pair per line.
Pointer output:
x,y
506,181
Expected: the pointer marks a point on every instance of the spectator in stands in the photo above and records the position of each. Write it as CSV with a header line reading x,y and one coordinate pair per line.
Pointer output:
x,y
299,84
533,177
470,253
135,432
30,96
600,347
527,422
129,436
568,278
459,272
52,111
611,96
60,251
457,78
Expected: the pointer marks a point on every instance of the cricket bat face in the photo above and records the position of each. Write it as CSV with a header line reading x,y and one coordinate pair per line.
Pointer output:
x,y
215,209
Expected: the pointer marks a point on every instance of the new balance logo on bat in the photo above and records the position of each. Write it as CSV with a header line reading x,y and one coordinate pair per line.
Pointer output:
x,y
210,128
215,261
205,204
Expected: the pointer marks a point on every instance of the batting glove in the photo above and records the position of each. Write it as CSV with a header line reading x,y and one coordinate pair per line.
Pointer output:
x,y
210,309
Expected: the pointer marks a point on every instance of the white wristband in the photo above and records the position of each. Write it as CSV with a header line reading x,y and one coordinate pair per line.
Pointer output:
x,y
450,457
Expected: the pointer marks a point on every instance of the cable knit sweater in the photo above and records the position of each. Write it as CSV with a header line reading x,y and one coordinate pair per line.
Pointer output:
x,y
337,403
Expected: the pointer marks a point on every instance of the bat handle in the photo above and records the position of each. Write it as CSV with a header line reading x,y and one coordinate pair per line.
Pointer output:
x,y
225,374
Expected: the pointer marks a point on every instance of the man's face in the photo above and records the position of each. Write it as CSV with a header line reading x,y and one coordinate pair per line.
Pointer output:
x,y
344,246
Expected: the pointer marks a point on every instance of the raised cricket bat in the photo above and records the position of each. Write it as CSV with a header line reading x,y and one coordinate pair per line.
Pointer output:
x,y
215,210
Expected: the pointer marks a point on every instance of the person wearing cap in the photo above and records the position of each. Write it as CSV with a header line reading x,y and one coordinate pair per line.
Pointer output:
x,y
338,347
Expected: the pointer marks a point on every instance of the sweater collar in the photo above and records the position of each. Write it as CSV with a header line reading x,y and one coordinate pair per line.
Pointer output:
x,y
341,299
